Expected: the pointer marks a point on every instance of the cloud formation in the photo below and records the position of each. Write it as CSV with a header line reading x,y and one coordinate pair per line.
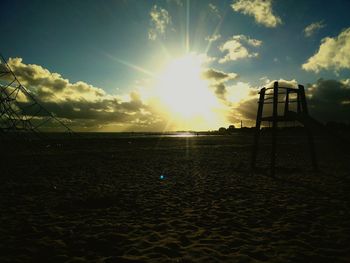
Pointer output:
x,y
218,76
159,21
260,10
333,54
244,99
52,86
236,48
217,80
213,38
329,100
313,28
85,106
89,108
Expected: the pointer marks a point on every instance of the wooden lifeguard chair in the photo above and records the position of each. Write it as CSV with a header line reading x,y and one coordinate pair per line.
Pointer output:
x,y
275,96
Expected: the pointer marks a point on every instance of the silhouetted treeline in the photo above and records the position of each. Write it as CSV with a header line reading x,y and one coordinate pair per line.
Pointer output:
x,y
340,128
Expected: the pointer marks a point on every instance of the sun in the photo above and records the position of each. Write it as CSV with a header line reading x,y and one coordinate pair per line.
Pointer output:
x,y
184,92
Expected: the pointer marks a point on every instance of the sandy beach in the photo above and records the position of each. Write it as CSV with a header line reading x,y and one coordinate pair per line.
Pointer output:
x,y
172,199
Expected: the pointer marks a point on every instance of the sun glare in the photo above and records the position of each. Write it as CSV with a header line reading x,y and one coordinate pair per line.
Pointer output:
x,y
183,91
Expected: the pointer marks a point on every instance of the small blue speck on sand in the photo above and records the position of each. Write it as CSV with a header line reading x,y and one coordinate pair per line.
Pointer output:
x,y
162,177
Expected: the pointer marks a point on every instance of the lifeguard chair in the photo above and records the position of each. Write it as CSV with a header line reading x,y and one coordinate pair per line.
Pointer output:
x,y
282,95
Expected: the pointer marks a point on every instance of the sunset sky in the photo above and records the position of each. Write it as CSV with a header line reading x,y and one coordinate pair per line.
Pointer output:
x,y
142,65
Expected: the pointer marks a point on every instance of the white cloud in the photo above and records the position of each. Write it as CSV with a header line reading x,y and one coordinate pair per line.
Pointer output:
x,y
236,48
283,83
213,38
236,98
333,54
313,28
265,79
85,106
346,82
259,9
203,58
242,100
238,92
159,21
52,86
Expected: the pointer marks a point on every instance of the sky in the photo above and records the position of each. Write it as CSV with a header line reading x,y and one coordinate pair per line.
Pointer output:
x,y
142,65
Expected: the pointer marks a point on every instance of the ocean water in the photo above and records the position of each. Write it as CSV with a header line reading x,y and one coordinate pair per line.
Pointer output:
x,y
143,135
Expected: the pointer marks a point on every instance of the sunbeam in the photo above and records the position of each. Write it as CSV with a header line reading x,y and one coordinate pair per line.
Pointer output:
x,y
187,26
216,31
131,65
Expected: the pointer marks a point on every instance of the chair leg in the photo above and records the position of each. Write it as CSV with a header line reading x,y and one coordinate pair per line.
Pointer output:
x,y
257,128
305,112
274,128
311,144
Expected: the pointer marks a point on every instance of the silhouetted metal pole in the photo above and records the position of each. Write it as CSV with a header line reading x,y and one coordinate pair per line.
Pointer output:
x,y
16,115
257,126
286,103
310,137
274,127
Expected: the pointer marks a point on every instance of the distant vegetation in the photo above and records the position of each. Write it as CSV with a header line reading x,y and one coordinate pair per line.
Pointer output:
x,y
230,129
337,127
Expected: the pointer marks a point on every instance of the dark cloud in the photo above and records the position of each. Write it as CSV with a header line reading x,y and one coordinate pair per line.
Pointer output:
x,y
220,91
329,100
217,81
218,76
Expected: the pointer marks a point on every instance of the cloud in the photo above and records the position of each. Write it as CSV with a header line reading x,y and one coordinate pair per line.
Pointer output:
x,y
89,108
159,21
282,83
218,76
83,105
333,54
236,48
264,79
217,80
213,38
259,9
313,28
329,100
239,91
243,99
52,86
239,99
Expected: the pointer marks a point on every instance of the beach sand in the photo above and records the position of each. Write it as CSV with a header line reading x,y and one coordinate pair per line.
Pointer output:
x,y
172,200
